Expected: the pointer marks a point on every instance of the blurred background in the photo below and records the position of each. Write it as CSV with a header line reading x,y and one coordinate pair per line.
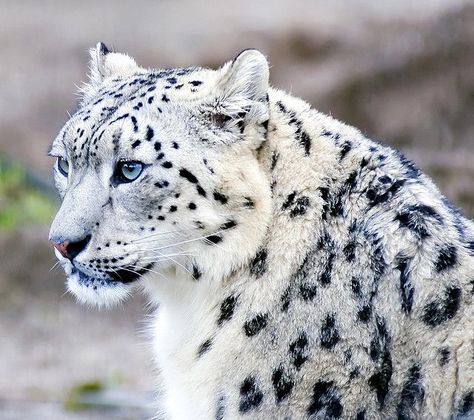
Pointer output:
x,y
401,71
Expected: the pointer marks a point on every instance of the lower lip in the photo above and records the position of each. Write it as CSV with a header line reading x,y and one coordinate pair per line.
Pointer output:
x,y
120,276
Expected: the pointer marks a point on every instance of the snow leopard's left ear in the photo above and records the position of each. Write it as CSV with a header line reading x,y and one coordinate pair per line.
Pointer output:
x,y
105,63
243,85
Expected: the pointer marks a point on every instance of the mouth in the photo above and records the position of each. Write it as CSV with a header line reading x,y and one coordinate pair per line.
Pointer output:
x,y
126,276
123,275
107,290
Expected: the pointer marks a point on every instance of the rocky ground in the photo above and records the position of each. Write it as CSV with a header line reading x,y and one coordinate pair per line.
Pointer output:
x,y
401,71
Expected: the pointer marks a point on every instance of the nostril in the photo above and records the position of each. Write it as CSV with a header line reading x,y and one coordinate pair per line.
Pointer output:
x,y
70,249
73,249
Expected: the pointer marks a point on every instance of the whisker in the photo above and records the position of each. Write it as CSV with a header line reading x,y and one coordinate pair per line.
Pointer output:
x,y
216,245
54,266
122,268
192,240
145,253
154,259
154,235
178,254
149,270
181,265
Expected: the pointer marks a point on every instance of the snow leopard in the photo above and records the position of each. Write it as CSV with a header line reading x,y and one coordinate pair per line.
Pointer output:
x,y
299,269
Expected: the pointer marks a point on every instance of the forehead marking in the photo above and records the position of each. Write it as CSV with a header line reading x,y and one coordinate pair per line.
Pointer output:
x,y
121,93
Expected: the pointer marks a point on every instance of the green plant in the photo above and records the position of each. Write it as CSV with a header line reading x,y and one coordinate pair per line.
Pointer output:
x,y
21,204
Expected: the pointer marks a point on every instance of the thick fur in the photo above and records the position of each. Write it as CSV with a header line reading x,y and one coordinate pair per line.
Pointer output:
x,y
301,269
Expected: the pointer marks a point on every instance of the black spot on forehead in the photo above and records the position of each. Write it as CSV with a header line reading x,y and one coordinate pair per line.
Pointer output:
x,y
188,175
149,133
220,197
138,106
134,122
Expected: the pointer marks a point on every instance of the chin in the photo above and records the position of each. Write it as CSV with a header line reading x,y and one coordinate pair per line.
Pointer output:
x,y
97,292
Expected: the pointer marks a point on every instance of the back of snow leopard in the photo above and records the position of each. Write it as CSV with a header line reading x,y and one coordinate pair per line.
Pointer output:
x,y
301,270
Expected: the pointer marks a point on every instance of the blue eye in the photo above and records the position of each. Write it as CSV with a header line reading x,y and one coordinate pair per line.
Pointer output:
x,y
63,166
127,171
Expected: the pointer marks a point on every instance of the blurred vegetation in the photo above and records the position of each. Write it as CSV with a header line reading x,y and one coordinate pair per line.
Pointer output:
x,y
20,203
75,400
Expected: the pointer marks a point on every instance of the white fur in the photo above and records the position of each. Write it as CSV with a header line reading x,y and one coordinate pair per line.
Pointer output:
x,y
271,184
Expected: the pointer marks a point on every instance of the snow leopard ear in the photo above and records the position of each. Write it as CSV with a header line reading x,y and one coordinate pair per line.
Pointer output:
x,y
246,76
243,85
105,63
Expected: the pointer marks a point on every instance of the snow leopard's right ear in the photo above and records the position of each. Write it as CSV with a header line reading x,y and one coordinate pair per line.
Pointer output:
x,y
105,63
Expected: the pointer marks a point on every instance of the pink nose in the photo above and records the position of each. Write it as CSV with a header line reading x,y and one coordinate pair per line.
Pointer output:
x,y
62,248
71,249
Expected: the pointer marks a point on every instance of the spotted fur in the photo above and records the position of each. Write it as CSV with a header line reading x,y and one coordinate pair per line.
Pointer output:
x,y
302,270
